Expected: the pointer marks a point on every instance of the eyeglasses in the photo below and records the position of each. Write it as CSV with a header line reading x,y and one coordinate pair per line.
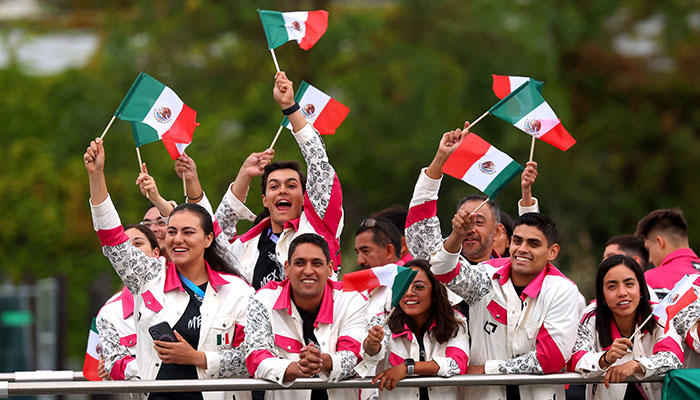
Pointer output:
x,y
160,222
418,288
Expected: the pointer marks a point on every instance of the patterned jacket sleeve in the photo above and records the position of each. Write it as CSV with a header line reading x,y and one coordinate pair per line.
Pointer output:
x,y
585,357
352,332
555,338
668,354
262,358
323,200
685,324
134,268
471,283
423,235
118,360
230,211
456,358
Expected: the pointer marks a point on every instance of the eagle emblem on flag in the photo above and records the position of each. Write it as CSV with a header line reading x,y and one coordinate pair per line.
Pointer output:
x,y
308,110
487,167
532,126
162,114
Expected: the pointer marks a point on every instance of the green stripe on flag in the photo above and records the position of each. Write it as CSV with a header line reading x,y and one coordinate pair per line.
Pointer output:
x,y
519,103
140,98
297,97
275,31
93,325
143,134
402,281
508,173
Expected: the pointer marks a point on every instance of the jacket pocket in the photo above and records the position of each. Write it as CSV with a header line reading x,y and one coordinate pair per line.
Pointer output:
x,y
290,345
128,341
498,312
150,301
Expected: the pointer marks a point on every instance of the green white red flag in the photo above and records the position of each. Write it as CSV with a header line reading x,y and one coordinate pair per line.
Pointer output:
x,y
321,110
481,165
92,356
503,85
526,109
157,113
391,275
306,27
680,297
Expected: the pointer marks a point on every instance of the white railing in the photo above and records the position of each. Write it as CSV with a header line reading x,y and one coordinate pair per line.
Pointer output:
x,y
42,382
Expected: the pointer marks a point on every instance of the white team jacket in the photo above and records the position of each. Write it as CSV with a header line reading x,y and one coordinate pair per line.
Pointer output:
x,y
274,336
656,353
322,213
533,333
159,296
117,331
452,357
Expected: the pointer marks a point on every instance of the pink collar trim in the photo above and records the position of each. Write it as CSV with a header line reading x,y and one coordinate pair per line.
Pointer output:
x,y
172,280
407,331
325,312
670,257
535,286
266,223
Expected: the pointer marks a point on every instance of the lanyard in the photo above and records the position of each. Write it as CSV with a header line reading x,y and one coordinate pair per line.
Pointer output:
x,y
198,292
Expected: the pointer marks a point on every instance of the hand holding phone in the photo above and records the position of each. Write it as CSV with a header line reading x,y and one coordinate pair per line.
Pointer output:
x,y
162,331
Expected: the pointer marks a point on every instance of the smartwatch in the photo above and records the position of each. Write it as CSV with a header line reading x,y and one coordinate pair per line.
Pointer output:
x,y
410,366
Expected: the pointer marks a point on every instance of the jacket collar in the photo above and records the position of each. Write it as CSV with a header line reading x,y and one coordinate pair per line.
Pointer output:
x,y
325,312
680,253
534,287
407,331
266,223
172,280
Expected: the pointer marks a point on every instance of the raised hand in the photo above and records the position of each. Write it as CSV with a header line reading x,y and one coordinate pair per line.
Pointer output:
x,y
283,91
147,184
94,157
449,142
255,164
462,223
185,165
529,177
373,342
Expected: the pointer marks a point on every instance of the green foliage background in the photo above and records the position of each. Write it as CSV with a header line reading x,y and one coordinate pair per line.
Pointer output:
x,y
409,71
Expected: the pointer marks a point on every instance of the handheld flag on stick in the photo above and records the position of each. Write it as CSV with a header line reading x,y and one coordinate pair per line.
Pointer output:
x,y
306,27
526,109
321,110
157,113
92,357
481,165
503,85
677,299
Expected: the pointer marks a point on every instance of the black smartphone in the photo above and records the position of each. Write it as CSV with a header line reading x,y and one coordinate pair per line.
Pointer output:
x,y
162,331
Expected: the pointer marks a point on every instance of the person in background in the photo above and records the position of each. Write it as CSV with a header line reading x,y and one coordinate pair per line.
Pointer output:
x,y
604,346
397,215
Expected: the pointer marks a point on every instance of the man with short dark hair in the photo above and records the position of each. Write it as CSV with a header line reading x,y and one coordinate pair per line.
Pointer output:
x,y
305,325
377,243
665,234
628,245
397,215
295,205
522,308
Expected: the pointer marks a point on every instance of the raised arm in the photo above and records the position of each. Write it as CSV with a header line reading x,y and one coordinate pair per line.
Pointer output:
x,y
423,235
149,189
528,203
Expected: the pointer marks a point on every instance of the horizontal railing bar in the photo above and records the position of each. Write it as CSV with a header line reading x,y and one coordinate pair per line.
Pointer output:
x,y
17,388
28,376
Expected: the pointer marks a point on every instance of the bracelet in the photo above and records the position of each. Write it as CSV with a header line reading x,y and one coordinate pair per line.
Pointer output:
x,y
605,359
196,199
292,109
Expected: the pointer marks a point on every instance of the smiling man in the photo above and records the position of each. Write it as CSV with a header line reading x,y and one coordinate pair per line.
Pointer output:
x,y
305,325
295,206
523,310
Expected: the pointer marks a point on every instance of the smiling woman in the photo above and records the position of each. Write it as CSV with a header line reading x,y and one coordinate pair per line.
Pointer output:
x,y
197,293
604,346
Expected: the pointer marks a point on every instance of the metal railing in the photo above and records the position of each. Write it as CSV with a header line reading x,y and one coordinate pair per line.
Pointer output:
x,y
44,384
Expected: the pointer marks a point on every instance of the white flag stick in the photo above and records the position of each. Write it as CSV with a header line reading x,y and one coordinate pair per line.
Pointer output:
x,y
532,148
386,321
478,119
274,58
184,185
641,326
481,205
107,128
276,136
138,154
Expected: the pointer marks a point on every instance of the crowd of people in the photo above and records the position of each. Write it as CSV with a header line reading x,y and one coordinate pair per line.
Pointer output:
x,y
487,299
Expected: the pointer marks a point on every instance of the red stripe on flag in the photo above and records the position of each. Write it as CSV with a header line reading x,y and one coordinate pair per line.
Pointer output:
x,y
469,151
90,369
559,137
501,85
181,131
332,115
359,281
316,25
673,309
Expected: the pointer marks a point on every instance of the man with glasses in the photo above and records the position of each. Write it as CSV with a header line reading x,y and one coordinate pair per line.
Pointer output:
x,y
157,224
377,243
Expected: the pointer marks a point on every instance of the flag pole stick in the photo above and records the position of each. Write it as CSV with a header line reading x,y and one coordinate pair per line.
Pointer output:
x,y
481,205
274,58
184,185
107,128
276,136
138,154
641,326
532,148
386,321
478,119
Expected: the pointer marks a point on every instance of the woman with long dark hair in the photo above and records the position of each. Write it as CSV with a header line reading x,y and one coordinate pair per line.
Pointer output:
x,y
604,346
197,294
424,336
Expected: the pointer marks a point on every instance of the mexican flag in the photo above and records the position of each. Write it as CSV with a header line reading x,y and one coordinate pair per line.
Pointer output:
x,y
503,85
680,297
527,110
481,165
321,110
306,27
92,356
397,277
157,113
